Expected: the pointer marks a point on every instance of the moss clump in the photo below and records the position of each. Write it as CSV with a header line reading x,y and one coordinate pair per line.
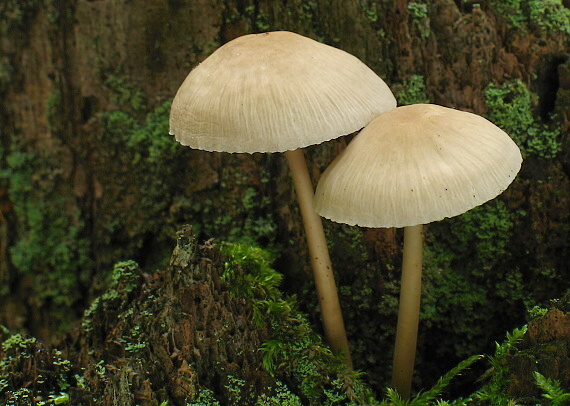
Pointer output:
x,y
282,396
466,273
237,210
420,18
554,394
50,246
125,280
27,378
125,93
411,91
548,17
511,108
150,162
294,350
370,11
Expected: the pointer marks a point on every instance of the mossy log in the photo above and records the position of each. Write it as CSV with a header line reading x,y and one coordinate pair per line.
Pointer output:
x,y
152,338
545,348
181,336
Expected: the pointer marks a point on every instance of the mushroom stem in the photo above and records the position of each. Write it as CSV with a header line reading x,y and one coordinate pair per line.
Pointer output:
x,y
408,312
333,324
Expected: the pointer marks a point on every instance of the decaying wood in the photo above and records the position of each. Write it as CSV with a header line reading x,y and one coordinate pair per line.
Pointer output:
x,y
157,337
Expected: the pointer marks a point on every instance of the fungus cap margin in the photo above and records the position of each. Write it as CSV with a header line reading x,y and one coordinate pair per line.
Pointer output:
x,y
274,92
417,164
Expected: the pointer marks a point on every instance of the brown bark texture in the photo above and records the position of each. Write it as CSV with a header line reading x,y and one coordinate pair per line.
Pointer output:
x,y
151,338
90,177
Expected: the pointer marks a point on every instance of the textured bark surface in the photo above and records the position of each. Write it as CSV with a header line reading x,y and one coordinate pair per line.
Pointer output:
x,y
546,349
152,338
89,177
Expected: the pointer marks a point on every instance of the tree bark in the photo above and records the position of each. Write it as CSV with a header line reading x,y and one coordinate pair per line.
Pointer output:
x,y
89,176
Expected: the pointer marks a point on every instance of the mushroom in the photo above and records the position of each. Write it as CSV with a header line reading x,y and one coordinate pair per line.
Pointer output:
x,y
411,166
279,92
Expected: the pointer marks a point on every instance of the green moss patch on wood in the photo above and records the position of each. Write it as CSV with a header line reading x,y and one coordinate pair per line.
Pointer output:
x,y
50,247
184,336
512,107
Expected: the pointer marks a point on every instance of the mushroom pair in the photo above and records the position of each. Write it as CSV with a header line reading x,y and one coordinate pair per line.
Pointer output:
x,y
275,92
411,166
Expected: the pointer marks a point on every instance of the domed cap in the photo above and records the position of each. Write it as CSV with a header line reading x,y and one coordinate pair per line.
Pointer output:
x,y
274,92
417,164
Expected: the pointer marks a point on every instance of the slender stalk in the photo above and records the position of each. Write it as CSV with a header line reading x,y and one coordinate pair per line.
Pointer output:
x,y
331,314
408,312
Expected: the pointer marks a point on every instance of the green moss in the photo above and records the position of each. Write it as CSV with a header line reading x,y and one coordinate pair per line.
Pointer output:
x,y
281,396
237,211
143,152
466,272
125,93
511,107
554,394
260,281
294,349
411,91
50,246
493,390
347,243
420,18
258,17
548,17
18,344
52,376
151,144
483,234
125,278
14,14
536,312
370,11
205,397
373,12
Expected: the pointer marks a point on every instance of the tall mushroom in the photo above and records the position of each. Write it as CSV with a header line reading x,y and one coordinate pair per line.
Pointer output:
x,y
412,166
275,92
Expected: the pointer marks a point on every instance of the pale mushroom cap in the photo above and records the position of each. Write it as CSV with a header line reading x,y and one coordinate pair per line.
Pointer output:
x,y
274,92
417,164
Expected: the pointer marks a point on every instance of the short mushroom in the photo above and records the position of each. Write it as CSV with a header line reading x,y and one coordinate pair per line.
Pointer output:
x,y
411,166
276,92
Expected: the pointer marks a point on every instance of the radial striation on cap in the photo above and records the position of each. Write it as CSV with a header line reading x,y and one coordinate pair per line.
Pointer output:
x,y
274,92
417,164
